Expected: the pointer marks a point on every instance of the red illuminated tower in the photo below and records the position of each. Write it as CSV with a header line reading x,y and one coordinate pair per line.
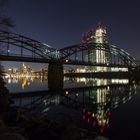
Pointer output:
x,y
97,36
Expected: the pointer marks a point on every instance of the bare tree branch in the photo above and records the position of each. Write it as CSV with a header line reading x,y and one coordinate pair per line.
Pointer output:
x,y
5,21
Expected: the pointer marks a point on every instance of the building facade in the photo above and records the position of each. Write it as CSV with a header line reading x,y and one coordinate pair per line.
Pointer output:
x,y
96,38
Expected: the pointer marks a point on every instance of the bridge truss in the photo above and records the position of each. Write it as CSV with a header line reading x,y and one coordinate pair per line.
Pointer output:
x,y
19,48
14,47
97,55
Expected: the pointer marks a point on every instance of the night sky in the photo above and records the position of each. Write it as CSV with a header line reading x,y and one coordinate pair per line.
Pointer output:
x,y
61,23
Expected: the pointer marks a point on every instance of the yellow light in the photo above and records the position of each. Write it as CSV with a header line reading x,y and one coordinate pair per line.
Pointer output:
x,y
24,83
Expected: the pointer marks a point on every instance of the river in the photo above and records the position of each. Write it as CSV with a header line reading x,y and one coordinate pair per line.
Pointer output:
x,y
108,107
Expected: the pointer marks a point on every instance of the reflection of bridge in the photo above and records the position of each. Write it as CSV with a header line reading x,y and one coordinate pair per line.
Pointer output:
x,y
81,96
15,47
65,90
95,102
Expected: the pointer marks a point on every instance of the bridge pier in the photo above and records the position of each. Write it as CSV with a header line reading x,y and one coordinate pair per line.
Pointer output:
x,y
55,76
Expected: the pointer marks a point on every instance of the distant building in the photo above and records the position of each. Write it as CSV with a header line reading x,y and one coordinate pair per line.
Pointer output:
x,y
24,69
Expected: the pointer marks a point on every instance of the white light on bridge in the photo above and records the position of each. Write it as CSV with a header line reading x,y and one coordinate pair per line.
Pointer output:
x,y
47,45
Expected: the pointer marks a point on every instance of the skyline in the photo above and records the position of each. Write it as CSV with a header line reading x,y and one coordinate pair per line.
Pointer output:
x,y
61,24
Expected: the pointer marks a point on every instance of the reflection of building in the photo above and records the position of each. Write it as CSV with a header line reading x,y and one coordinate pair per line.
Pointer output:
x,y
104,99
99,96
94,81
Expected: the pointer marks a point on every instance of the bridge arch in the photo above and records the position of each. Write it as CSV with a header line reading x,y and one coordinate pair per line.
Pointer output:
x,y
97,55
15,45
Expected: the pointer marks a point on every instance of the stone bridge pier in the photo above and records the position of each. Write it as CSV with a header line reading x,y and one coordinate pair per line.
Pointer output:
x,y
55,76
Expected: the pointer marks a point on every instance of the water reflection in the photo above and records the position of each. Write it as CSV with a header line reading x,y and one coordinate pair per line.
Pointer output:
x,y
104,99
72,82
88,106
30,82
23,82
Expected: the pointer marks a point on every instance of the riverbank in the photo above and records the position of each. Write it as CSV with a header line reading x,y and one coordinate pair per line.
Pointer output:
x,y
18,123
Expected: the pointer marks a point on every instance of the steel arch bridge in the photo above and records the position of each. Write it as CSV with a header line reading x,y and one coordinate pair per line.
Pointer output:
x,y
97,55
14,47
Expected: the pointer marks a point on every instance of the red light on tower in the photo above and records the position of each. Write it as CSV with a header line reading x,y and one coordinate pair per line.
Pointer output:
x,y
98,35
87,37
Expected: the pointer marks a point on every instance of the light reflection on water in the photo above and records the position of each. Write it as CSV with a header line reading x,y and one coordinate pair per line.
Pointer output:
x,y
32,83
89,104
25,84
72,82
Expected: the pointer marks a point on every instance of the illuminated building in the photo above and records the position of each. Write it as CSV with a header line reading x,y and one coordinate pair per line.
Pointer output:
x,y
100,36
25,69
25,75
97,38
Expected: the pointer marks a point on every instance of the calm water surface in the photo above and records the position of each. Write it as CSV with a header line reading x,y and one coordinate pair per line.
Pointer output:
x,y
108,107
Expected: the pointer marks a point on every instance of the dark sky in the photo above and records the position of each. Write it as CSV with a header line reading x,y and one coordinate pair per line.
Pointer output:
x,y
61,23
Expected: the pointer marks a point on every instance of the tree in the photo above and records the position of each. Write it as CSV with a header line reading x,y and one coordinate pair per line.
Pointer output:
x,y
5,21
5,24
4,93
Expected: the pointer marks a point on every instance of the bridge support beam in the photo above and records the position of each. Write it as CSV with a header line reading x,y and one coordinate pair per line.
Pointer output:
x,y
55,76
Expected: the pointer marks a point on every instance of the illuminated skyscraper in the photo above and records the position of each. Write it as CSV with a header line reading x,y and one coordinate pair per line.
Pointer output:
x,y
96,38
100,35
100,39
